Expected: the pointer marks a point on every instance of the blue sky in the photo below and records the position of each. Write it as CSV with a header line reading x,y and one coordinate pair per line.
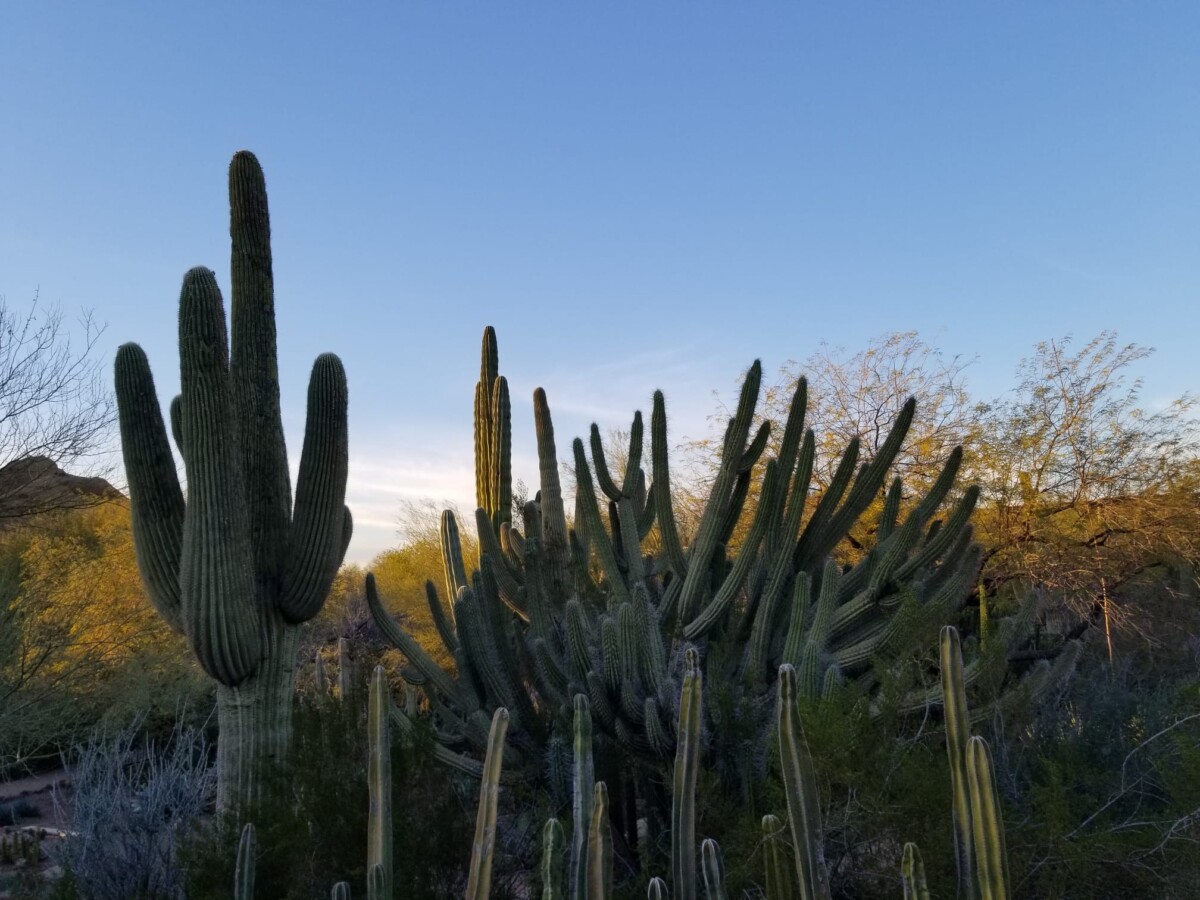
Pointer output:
x,y
636,195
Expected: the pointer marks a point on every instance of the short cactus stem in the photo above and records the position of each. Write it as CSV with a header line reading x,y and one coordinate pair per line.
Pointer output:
x,y
804,808
553,851
243,878
778,883
990,854
912,874
600,848
714,871
341,891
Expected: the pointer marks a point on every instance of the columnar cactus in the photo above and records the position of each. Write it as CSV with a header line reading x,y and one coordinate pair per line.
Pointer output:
x,y
608,607
243,876
379,780
238,567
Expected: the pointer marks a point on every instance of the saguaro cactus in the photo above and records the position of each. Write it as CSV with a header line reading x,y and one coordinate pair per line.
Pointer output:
x,y
238,567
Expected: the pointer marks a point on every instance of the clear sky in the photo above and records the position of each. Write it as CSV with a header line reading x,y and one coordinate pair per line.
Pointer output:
x,y
637,195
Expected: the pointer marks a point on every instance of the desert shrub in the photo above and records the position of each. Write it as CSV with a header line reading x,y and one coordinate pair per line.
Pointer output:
x,y
134,799
312,821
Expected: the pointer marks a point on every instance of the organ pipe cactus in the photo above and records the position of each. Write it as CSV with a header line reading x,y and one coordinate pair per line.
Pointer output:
x,y
804,807
606,608
912,874
553,853
239,566
600,848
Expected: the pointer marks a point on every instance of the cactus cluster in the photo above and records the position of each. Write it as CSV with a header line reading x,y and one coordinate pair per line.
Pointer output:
x,y
239,565
609,606
585,871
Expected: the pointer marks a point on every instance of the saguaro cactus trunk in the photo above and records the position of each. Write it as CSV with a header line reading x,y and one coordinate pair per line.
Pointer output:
x,y
237,568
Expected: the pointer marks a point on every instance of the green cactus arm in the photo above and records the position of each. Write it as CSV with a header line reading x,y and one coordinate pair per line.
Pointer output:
x,y
804,809
992,861
958,733
714,870
793,429
631,540
583,779
379,778
657,889
778,883
315,538
634,476
793,644
595,527
870,479
812,658
945,537
890,513
600,848
687,769
254,370
501,447
604,479
455,569
176,420
401,640
489,546
660,470
156,501
441,621
755,448
731,587
652,657
551,868
479,879
722,507
553,519
340,891
216,563
912,874
243,876
812,539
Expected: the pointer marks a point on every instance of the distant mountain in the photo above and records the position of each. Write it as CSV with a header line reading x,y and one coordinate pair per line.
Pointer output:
x,y
36,484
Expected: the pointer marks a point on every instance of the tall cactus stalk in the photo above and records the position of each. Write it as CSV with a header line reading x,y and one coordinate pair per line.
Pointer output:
x,y
687,769
986,822
553,852
238,567
912,874
483,850
958,733
804,808
379,780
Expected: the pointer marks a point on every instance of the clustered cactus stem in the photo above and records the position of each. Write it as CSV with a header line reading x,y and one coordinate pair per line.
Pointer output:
x,y
238,566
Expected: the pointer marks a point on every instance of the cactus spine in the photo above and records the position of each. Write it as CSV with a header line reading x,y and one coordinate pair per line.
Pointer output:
x,y
238,566
379,781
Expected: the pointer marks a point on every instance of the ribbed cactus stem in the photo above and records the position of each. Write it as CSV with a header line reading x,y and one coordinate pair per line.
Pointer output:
x,y
600,848
243,876
958,733
554,847
320,676
377,887
912,874
341,891
687,769
483,849
800,788
990,855
238,565
778,882
379,779
714,870
582,793
657,889
345,669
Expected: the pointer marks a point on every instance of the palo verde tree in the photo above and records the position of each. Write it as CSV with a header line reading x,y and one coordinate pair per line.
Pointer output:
x,y
237,567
